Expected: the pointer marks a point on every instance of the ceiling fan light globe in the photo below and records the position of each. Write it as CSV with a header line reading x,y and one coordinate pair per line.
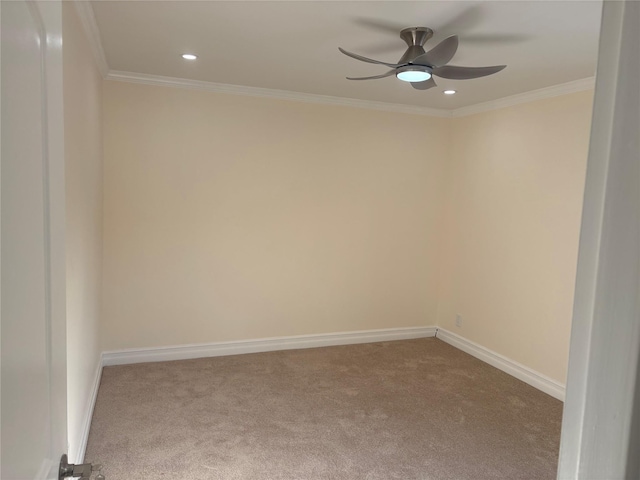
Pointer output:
x,y
413,74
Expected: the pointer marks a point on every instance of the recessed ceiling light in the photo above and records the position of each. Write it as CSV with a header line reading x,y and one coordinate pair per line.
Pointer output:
x,y
189,56
449,92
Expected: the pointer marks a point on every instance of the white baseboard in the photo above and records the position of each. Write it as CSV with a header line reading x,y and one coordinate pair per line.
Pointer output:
x,y
184,352
527,375
89,414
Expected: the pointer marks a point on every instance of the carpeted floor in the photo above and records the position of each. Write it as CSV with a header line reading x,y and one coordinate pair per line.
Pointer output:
x,y
411,409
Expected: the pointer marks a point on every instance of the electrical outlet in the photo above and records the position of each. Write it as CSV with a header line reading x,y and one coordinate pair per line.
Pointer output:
x,y
458,321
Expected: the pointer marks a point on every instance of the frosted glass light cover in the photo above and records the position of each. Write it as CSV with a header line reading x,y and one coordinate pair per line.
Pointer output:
x,y
413,76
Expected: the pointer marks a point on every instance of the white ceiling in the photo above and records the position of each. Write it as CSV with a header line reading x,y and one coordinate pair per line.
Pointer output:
x,y
293,45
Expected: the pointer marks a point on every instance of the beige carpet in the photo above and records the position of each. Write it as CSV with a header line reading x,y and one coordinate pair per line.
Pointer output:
x,y
414,409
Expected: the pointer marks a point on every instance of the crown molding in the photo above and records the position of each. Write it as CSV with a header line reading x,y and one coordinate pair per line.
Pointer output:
x,y
88,21
158,80
547,92
540,94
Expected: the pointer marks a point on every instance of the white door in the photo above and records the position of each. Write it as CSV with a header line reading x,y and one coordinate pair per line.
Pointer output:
x,y
33,365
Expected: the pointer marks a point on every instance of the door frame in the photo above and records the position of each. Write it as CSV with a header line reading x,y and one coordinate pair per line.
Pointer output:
x,y
602,414
51,12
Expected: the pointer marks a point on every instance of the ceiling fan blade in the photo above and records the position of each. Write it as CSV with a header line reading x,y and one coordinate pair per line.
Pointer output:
x,y
388,74
467,19
453,72
381,25
439,55
495,39
394,47
368,60
424,85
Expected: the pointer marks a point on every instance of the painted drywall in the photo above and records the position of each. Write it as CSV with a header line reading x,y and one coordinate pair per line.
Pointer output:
x,y
83,177
511,226
230,217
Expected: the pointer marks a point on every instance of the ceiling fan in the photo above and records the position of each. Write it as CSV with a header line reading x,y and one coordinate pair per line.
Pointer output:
x,y
419,67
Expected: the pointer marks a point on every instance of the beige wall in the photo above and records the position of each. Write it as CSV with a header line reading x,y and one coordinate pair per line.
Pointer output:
x,y
83,163
511,227
230,217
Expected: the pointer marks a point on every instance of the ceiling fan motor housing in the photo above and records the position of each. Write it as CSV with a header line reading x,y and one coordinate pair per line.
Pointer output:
x,y
415,38
416,35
